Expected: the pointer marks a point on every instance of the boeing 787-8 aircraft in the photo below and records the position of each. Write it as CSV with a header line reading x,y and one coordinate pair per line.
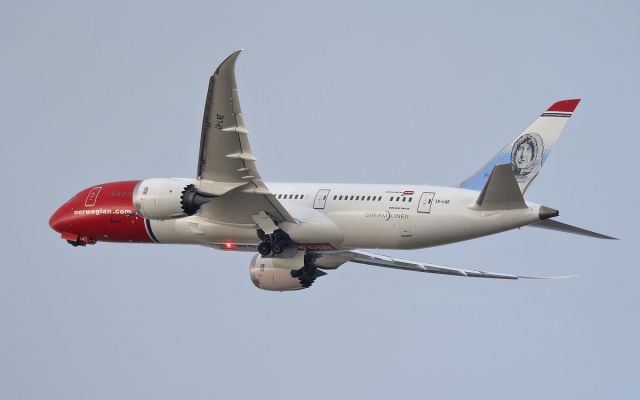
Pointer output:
x,y
301,230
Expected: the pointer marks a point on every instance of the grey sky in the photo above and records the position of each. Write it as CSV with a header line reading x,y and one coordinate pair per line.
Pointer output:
x,y
385,92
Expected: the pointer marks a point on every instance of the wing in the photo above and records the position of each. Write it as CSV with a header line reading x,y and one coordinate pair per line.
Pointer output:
x,y
226,164
332,259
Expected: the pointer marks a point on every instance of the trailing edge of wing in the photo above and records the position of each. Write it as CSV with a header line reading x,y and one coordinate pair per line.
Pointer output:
x,y
378,260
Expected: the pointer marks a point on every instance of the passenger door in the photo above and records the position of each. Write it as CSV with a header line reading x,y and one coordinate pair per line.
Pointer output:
x,y
321,199
426,200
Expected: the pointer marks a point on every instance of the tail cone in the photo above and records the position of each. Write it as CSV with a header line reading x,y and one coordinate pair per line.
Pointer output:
x,y
546,213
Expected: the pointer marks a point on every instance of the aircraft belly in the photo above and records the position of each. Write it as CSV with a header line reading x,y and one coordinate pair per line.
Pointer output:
x,y
411,230
372,229
439,229
197,230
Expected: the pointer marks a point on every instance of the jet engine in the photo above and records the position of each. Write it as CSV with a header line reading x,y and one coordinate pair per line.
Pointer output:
x,y
282,274
168,198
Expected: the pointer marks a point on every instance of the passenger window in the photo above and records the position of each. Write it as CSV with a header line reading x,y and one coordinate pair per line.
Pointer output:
x,y
301,196
391,199
380,198
340,198
398,198
404,199
334,197
410,198
368,198
351,198
296,197
357,197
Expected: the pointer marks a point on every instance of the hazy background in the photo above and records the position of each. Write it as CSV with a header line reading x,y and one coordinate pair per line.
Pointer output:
x,y
420,92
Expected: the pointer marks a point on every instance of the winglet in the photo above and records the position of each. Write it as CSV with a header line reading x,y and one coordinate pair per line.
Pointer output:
x,y
229,61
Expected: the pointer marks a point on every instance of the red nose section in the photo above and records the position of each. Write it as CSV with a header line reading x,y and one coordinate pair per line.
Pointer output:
x,y
71,229
101,213
56,222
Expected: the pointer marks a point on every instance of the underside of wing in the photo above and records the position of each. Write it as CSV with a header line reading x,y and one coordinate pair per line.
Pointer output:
x,y
226,163
332,259
225,152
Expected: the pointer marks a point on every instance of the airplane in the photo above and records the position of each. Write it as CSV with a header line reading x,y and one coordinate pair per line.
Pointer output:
x,y
301,230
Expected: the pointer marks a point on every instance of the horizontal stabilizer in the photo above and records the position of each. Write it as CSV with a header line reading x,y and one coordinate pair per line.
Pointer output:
x,y
501,192
562,227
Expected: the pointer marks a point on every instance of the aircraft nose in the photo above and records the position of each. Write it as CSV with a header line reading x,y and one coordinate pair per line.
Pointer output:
x,y
55,222
59,219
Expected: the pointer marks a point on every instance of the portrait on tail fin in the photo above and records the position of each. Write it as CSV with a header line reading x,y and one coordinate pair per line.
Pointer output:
x,y
526,157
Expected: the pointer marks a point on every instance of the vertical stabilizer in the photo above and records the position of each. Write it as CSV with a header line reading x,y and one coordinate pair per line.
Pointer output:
x,y
528,152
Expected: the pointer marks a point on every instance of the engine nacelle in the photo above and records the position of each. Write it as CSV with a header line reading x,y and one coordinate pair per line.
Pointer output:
x,y
275,273
161,198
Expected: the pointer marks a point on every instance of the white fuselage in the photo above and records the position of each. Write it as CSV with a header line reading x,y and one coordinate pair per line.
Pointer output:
x,y
347,216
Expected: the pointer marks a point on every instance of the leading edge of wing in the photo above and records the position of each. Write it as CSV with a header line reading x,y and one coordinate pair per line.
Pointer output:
x,y
378,260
